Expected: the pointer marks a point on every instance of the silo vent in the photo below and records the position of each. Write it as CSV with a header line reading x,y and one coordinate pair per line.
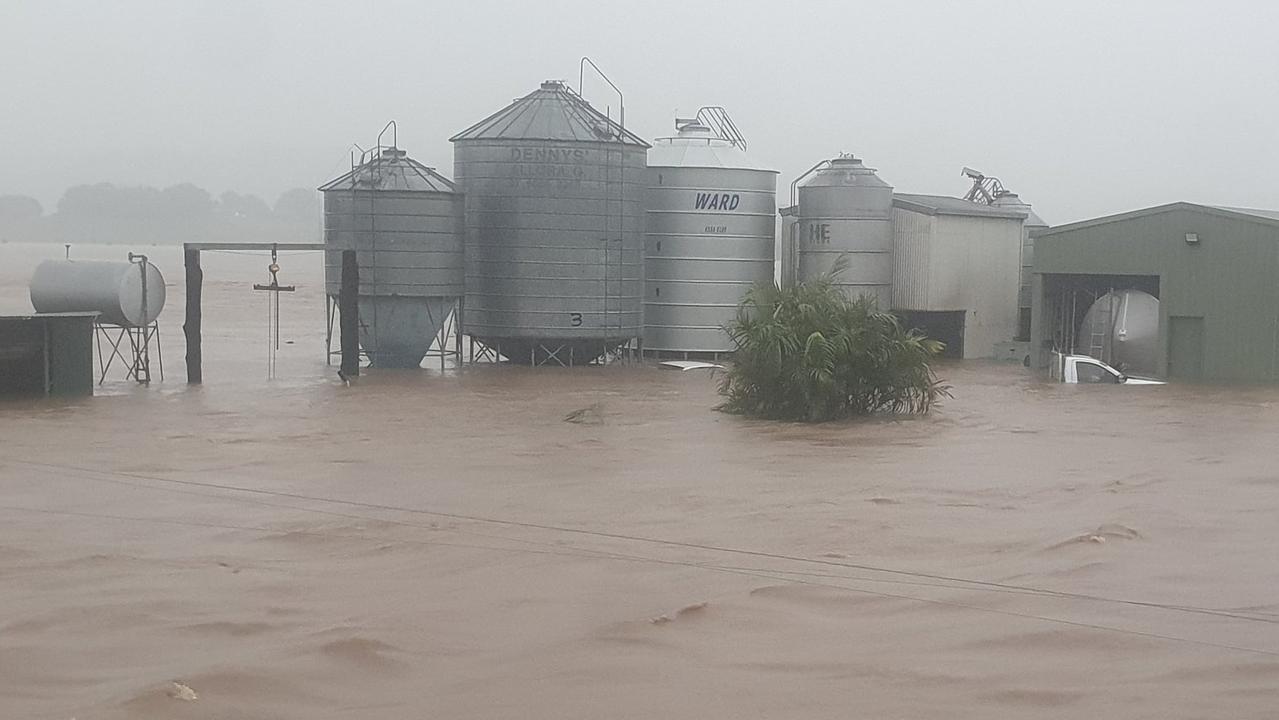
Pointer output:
x,y
692,124
553,85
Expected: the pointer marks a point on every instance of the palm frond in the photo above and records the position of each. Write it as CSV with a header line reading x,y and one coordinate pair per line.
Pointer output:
x,y
809,352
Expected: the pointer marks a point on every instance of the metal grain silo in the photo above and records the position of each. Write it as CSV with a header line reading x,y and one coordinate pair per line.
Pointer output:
x,y
554,229
405,222
846,209
1033,222
711,236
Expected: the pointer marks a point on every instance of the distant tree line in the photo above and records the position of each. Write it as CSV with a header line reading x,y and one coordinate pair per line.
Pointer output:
x,y
106,213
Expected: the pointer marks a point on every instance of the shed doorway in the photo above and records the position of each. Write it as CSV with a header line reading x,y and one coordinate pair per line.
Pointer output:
x,y
1066,300
946,326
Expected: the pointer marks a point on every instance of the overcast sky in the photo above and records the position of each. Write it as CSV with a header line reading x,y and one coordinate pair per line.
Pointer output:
x,y
1083,107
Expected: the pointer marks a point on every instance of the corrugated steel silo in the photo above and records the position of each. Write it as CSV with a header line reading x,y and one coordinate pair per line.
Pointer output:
x,y
711,236
1033,222
554,229
845,208
405,222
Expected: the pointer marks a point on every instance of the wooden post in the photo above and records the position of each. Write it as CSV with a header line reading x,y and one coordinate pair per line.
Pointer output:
x,y
349,308
195,283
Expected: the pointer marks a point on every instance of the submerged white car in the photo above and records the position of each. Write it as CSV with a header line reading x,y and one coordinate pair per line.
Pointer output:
x,y
687,365
1081,369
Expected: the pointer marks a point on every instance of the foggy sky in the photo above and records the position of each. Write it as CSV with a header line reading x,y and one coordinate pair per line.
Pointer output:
x,y
1085,108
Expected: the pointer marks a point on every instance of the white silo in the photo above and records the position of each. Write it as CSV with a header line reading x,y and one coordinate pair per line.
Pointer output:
x,y
710,237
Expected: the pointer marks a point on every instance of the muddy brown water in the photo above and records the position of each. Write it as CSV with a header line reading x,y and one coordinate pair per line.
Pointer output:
x,y
444,544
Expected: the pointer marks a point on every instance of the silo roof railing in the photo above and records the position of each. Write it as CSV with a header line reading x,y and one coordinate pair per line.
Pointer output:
x,y
717,120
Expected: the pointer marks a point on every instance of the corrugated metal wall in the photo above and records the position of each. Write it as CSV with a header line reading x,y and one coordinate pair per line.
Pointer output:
x,y
912,238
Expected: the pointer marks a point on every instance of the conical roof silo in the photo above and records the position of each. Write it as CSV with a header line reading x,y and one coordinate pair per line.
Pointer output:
x,y
846,209
1032,223
711,236
405,222
554,229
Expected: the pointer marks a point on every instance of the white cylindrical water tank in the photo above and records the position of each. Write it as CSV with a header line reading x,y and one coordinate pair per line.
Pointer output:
x,y
114,289
1122,328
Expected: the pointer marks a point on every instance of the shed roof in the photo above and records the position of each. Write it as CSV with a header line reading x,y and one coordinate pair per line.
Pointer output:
x,y
1263,214
945,205
1265,217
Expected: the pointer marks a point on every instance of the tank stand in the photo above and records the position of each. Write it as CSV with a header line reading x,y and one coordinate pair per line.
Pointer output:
x,y
628,354
333,314
563,354
135,355
482,353
450,328
549,356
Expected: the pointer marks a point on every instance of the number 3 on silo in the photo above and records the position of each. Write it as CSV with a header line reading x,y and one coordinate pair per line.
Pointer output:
x,y
575,319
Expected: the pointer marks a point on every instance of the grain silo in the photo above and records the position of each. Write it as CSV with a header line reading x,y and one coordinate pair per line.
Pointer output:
x,y
710,237
554,229
404,220
1033,223
846,209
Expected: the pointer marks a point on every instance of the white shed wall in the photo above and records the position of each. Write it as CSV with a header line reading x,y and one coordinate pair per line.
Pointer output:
x,y
960,262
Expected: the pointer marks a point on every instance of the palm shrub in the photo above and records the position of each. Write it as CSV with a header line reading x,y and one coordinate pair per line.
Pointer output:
x,y
810,353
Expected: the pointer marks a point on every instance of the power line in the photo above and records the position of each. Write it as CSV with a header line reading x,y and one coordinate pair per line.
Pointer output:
x,y
657,541
976,584
782,577
269,530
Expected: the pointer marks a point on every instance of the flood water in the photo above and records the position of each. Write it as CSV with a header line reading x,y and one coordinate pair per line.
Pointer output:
x,y
445,544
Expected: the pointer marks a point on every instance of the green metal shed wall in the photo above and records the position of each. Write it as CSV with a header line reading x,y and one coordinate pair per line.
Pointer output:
x,y
1230,279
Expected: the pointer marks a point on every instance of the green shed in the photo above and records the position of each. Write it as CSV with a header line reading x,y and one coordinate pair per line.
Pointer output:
x,y
1215,271
47,354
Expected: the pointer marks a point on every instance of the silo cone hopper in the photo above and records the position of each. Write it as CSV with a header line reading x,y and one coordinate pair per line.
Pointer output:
x,y
396,331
